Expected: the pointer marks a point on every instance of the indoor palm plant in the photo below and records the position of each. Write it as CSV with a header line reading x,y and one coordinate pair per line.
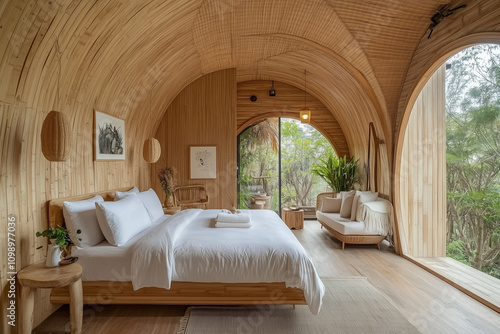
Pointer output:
x,y
339,174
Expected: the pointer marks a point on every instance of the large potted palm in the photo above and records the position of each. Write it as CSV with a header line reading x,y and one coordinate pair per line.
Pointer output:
x,y
339,173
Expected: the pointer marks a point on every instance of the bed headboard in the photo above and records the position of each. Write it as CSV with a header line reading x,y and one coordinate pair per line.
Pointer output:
x,y
55,206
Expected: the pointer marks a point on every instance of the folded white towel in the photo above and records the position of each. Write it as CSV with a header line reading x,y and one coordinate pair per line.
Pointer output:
x,y
225,217
222,224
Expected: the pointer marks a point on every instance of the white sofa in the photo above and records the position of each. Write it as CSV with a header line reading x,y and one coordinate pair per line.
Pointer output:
x,y
372,224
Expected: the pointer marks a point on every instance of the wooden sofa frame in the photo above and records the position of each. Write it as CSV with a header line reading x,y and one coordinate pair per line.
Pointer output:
x,y
180,293
346,239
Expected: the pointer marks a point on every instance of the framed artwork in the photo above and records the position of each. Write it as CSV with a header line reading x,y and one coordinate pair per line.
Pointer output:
x,y
109,137
202,162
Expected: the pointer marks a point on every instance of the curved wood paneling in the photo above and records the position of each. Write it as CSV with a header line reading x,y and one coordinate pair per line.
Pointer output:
x,y
287,103
203,114
359,57
422,197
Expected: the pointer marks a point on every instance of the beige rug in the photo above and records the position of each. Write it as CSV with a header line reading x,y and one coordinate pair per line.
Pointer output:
x,y
350,305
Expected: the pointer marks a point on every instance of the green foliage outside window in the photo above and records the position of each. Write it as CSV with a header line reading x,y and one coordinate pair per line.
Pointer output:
x,y
473,158
301,146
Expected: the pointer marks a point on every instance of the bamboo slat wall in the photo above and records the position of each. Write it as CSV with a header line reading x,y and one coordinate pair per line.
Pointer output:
x,y
287,103
203,114
423,174
76,56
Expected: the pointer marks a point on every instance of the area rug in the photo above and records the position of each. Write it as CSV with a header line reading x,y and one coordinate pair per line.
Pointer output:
x,y
350,305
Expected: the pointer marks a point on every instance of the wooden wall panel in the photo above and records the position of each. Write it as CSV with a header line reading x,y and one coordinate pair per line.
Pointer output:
x,y
28,181
203,114
423,174
287,103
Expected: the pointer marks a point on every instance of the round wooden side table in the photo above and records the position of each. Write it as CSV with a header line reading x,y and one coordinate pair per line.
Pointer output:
x,y
39,276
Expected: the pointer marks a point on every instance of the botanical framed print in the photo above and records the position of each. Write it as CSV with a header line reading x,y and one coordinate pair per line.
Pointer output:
x,y
202,162
109,137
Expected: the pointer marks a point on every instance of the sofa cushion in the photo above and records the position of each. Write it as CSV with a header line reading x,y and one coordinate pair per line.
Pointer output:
x,y
342,225
331,205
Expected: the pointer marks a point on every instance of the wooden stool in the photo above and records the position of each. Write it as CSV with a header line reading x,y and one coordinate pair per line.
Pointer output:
x,y
39,276
293,218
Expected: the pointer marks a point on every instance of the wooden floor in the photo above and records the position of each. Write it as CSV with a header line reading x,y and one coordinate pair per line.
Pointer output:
x,y
475,283
432,305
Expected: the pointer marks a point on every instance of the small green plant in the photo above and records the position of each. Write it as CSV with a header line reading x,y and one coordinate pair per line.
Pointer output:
x,y
60,235
340,174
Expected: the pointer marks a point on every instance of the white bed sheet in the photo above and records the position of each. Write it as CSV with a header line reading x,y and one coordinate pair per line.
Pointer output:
x,y
105,262
266,252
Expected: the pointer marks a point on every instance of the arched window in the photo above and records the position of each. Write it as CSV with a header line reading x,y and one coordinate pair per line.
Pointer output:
x,y
275,159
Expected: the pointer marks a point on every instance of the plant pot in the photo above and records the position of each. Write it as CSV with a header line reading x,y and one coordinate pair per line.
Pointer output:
x,y
53,256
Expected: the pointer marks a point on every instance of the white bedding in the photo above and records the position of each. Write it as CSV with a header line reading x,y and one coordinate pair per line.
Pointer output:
x,y
187,247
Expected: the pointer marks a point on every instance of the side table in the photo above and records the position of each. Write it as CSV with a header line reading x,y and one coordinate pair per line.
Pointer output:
x,y
171,210
39,276
293,218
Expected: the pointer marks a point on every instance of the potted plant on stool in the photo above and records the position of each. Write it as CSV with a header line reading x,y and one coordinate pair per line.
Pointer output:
x,y
60,244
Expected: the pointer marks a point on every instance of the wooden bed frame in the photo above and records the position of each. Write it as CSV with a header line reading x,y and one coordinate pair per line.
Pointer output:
x,y
347,239
180,293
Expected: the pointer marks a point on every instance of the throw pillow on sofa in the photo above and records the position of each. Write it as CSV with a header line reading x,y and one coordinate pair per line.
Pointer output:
x,y
331,205
345,208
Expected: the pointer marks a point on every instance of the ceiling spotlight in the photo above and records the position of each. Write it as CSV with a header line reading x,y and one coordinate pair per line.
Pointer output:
x,y
272,92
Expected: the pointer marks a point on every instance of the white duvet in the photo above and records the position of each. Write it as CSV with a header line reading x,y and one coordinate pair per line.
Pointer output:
x,y
188,247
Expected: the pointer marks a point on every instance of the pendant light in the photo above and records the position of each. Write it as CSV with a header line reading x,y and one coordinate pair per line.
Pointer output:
x,y
56,132
151,150
305,113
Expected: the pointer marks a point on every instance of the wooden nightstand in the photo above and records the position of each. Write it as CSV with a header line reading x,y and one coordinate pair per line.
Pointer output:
x,y
171,211
38,276
293,218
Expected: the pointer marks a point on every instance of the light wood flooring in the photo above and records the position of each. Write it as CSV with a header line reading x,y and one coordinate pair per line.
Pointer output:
x,y
475,283
432,305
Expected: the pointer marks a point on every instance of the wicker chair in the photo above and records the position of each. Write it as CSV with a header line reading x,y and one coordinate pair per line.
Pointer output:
x,y
191,196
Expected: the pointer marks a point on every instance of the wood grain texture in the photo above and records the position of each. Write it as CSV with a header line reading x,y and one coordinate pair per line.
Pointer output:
x,y
422,181
294,219
185,293
203,114
39,276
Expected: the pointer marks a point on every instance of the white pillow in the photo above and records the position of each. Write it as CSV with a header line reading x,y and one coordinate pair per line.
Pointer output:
x,y
367,196
355,201
121,220
331,205
345,209
81,215
122,194
152,204
364,197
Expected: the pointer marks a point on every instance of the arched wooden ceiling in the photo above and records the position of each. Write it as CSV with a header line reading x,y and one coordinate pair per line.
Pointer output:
x,y
113,52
